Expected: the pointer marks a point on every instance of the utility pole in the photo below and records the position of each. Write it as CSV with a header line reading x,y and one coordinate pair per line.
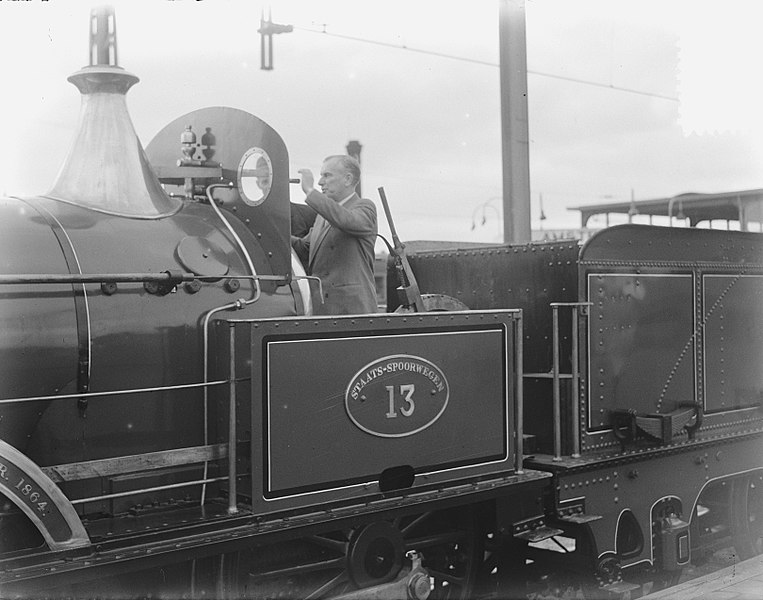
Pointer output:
x,y
632,210
353,149
542,214
514,122
267,30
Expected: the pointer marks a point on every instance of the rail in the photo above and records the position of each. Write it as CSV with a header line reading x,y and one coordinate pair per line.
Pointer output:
x,y
149,461
161,388
170,277
232,491
578,309
520,403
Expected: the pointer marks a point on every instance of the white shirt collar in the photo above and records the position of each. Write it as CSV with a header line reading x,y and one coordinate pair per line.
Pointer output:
x,y
341,202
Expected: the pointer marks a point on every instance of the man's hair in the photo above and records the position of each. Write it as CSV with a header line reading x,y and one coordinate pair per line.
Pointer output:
x,y
349,164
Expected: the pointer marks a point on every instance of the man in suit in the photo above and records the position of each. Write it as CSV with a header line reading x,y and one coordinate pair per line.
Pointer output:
x,y
339,249
302,219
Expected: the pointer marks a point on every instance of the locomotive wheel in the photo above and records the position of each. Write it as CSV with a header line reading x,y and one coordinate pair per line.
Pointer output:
x,y
17,532
747,515
338,562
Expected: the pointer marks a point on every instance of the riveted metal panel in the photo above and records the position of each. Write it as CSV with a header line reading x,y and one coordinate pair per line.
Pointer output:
x,y
713,264
673,245
351,407
527,276
733,341
638,481
641,344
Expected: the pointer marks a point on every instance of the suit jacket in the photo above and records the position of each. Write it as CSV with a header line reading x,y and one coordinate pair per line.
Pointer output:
x,y
340,250
302,219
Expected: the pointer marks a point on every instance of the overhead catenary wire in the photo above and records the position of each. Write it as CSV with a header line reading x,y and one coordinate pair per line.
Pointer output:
x,y
486,63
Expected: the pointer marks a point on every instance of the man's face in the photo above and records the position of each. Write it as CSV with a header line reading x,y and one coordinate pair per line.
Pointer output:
x,y
335,181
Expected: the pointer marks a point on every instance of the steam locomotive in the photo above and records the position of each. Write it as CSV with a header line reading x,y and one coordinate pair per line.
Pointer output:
x,y
175,422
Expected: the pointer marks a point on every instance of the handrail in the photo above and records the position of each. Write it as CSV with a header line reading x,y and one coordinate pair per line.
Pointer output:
x,y
519,366
158,488
172,277
153,460
232,492
575,375
161,388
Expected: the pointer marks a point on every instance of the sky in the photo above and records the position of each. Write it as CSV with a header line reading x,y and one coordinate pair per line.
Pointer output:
x,y
626,98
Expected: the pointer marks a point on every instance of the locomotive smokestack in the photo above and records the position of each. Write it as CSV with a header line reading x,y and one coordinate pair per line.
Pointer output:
x,y
106,168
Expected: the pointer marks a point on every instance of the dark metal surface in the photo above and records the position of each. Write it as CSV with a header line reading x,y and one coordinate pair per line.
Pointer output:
x,y
231,133
639,324
634,481
657,246
160,537
675,320
733,342
529,277
38,328
381,403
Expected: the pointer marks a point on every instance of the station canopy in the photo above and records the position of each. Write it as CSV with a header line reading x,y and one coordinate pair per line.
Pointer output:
x,y
745,207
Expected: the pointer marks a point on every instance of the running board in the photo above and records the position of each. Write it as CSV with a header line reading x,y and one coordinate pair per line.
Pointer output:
x,y
132,464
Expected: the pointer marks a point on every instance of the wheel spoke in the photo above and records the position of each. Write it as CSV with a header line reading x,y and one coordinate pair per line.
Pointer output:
x,y
339,578
451,548
340,546
336,562
436,539
333,563
413,524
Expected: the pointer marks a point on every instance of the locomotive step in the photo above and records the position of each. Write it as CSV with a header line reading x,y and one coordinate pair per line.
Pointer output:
x,y
580,519
538,534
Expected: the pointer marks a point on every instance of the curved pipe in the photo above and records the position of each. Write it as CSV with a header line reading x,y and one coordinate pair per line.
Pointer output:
x,y
238,304
234,235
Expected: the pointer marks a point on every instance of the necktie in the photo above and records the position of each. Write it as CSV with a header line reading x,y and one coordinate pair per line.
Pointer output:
x,y
319,226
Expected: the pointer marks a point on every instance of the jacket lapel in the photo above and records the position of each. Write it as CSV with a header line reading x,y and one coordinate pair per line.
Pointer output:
x,y
320,230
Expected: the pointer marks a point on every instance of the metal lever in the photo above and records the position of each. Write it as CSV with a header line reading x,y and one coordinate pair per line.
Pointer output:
x,y
408,290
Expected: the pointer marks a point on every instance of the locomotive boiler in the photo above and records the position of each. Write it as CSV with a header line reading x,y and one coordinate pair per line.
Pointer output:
x,y
174,421
109,278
